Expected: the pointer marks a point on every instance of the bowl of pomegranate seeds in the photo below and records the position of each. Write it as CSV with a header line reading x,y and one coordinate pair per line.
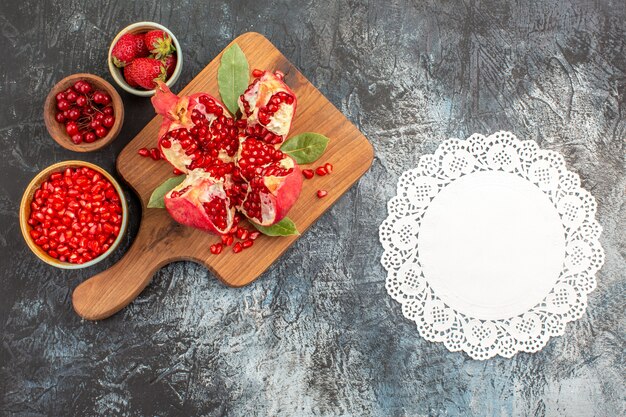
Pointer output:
x,y
83,113
143,53
73,214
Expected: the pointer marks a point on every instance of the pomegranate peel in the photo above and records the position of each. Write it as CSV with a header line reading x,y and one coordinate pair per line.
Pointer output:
x,y
201,201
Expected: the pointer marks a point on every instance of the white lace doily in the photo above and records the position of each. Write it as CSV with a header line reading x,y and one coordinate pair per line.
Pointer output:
x,y
491,245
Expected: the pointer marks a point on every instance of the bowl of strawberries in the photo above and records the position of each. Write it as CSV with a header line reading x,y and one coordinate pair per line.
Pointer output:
x,y
142,54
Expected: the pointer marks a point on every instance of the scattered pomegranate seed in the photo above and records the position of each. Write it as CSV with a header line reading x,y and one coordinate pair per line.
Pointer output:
x,y
256,73
321,171
242,233
254,235
154,154
328,167
237,248
247,243
144,152
75,215
178,171
216,249
322,193
308,173
227,240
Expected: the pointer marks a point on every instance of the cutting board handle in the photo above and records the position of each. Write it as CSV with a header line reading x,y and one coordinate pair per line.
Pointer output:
x,y
105,294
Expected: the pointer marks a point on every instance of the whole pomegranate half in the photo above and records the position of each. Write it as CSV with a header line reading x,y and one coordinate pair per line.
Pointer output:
x,y
272,181
197,132
202,201
268,105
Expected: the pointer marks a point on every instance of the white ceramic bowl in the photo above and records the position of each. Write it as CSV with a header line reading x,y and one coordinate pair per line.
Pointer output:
x,y
141,27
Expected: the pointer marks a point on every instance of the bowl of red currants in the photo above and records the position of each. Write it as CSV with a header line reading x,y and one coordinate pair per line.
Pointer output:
x,y
83,112
73,214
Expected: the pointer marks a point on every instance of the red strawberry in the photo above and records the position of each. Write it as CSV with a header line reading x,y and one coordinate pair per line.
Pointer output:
x,y
125,50
142,48
129,79
145,72
159,43
170,64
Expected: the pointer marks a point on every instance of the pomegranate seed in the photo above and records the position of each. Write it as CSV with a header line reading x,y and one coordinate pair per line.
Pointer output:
x,y
246,244
257,73
321,171
144,152
178,172
254,235
237,248
216,249
322,193
328,167
308,173
242,233
154,154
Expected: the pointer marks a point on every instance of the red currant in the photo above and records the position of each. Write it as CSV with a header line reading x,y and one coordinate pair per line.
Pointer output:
x,y
63,105
77,138
94,124
101,131
97,97
60,118
108,121
90,137
82,86
73,114
71,96
59,97
71,128
108,111
81,101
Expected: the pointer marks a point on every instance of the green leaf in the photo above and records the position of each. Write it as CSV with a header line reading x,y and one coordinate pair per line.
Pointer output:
x,y
156,199
285,227
305,147
233,76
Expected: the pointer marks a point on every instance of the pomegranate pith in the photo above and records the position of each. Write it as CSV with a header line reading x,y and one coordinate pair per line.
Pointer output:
x,y
269,103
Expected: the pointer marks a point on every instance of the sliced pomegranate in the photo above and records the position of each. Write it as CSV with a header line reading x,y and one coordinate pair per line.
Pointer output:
x,y
197,132
202,201
268,105
272,181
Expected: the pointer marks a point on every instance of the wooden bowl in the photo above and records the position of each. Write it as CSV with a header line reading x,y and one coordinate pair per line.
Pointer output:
x,y
57,130
142,27
25,213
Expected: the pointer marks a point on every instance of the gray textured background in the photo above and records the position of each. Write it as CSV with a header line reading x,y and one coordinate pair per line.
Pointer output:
x,y
317,334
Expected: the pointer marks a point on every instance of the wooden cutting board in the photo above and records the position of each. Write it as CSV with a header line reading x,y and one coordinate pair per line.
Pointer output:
x,y
160,240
